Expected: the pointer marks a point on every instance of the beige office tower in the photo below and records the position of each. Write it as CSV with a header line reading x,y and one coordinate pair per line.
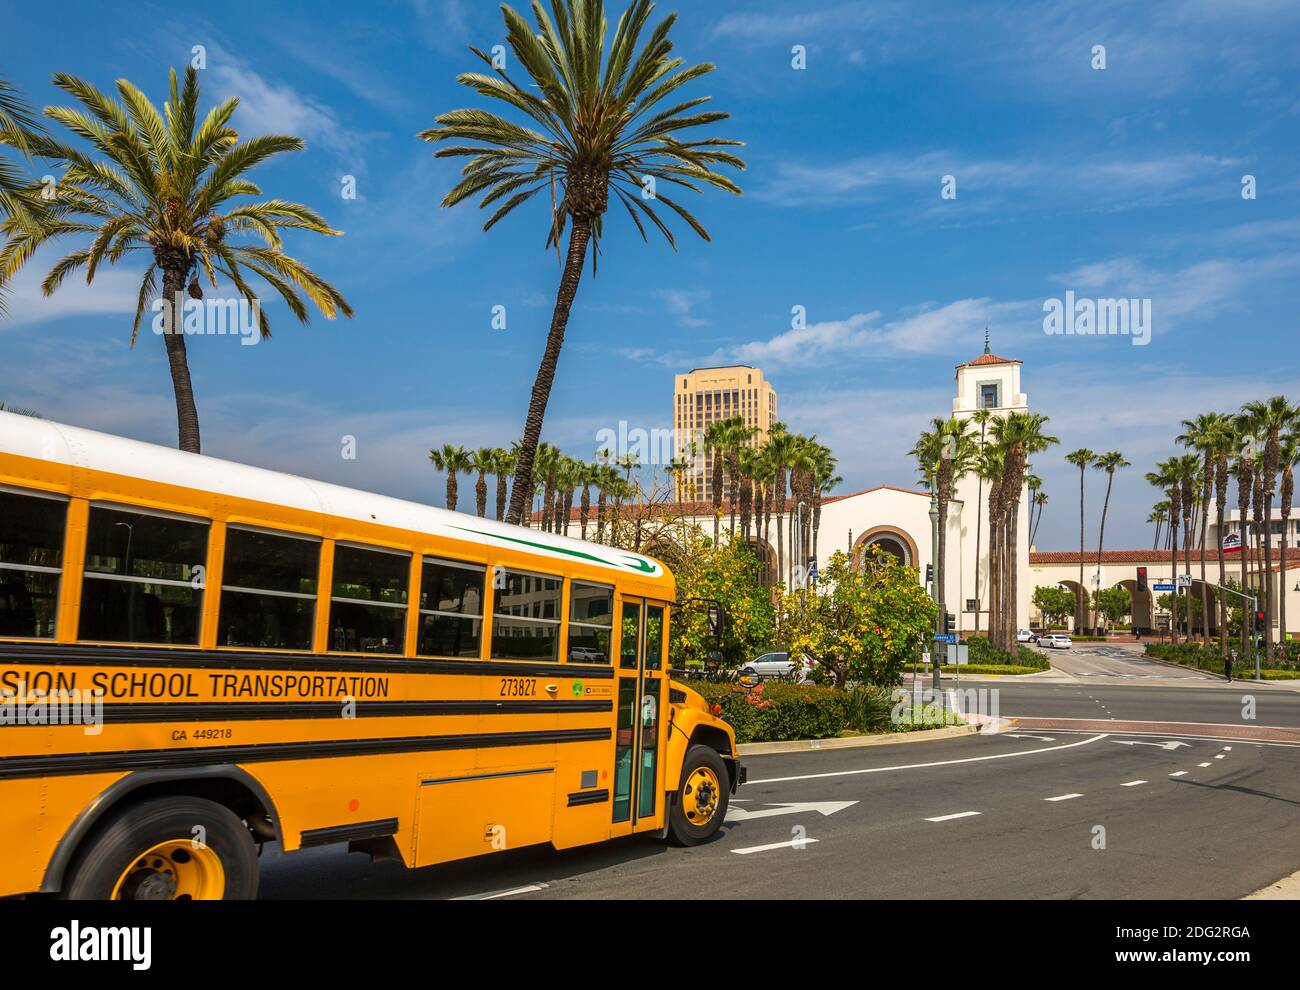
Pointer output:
x,y
706,395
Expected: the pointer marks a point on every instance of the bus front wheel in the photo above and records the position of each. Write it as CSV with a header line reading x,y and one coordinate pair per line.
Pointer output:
x,y
702,796
167,849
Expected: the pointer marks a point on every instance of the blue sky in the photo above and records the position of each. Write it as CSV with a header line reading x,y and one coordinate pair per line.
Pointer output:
x,y
1124,181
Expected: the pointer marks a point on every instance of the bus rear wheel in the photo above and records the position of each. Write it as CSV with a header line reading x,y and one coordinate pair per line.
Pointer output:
x,y
702,797
167,849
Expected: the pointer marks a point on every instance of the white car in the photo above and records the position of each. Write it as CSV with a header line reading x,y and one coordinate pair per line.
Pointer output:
x,y
1055,641
1026,636
778,665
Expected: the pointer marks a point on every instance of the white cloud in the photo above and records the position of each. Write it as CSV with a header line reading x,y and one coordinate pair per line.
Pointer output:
x,y
114,291
681,303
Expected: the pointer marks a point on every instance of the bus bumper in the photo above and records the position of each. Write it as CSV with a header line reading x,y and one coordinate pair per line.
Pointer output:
x,y
737,772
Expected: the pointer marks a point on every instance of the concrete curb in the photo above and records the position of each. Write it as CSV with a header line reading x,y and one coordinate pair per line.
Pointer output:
x,y
855,742
1286,889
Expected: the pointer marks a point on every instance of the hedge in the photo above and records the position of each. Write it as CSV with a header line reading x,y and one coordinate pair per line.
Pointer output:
x,y
773,711
1208,657
983,652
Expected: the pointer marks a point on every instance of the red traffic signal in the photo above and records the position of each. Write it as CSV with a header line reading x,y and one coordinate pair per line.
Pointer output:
x,y
1142,579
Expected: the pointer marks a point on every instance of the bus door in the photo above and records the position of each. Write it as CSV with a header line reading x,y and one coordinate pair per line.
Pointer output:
x,y
641,689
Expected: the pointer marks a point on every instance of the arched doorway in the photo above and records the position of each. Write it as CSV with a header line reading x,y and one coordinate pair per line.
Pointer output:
x,y
1142,609
1081,605
890,540
767,557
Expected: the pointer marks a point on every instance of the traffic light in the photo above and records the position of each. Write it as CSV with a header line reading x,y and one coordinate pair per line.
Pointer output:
x,y
949,622
1142,579
1259,618
929,573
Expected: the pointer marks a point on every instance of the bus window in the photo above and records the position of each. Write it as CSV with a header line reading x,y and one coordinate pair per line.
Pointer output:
x,y
143,579
268,590
368,607
31,562
451,609
654,637
526,616
591,619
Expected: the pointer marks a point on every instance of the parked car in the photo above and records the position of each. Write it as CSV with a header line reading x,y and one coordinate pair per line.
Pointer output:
x,y
1055,641
1026,636
778,665
585,654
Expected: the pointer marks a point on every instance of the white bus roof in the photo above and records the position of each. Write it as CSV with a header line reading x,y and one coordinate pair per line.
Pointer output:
x,y
42,439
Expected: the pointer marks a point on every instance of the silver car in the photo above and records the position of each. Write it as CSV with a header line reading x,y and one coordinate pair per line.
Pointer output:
x,y
778,665
1055,641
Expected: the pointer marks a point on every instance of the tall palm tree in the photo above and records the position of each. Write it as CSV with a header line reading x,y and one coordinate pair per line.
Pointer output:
x,y
483,461
715,447
1288,460
548,461
1202,435
1187,468
803,461
503,466
824,481
590,125
607,480
1018,435
780,446
738,435
1110,462
1081,458
1040,501
944,454
163,183
590,475
1159,514
1270,418
981,419
453,459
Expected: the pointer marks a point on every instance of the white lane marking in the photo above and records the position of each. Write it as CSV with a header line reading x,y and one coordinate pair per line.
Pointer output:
x,y
918,766
1227,749
1133,783
819,807
948,818
1179,773
1063,797
1169,744
503,893
1202,764
1218,756
792,844
1171,735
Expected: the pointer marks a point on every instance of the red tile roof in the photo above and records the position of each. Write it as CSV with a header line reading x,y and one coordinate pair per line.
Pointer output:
x,y
984,359
1144,557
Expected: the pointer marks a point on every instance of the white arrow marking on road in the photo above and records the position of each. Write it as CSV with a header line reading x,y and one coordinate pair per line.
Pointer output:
x,y
792,844
821,807
948,818
1026,735
1170,744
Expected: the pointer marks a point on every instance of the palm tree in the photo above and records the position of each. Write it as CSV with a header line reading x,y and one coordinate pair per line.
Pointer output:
x,y
1159,514
715,445
1288,460
1110,462
780,447
1270,418
589,475
944,455
824,481
601,132
981,419
453,459
1204,436
16,123
163,184
737,436
1081,458
1019,435
1040,501
483,461
548,460
1187,469
802,462
503,466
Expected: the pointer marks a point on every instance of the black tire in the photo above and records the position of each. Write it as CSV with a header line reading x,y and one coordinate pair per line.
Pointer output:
x,y
129,833
681,830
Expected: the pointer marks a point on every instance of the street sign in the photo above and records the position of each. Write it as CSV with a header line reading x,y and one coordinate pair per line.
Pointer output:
x,y
1184,580
1164,587
945,637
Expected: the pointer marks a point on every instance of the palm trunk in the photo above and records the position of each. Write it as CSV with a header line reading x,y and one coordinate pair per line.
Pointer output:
x,y
584,510
452,490
979,532
1083,591
501,496
600,516
1220,496
579,237
187,414
1101,539
480,495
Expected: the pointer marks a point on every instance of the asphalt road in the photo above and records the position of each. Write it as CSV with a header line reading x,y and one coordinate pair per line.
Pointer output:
x,y
1032,813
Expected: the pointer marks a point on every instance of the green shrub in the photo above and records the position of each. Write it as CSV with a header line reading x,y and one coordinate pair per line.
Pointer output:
x,y
773,712
983,652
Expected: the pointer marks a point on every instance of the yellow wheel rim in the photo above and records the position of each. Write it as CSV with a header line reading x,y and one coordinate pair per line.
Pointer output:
x,y
175,870
700,796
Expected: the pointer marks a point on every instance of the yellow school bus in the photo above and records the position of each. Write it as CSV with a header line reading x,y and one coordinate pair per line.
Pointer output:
x,y
197,657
